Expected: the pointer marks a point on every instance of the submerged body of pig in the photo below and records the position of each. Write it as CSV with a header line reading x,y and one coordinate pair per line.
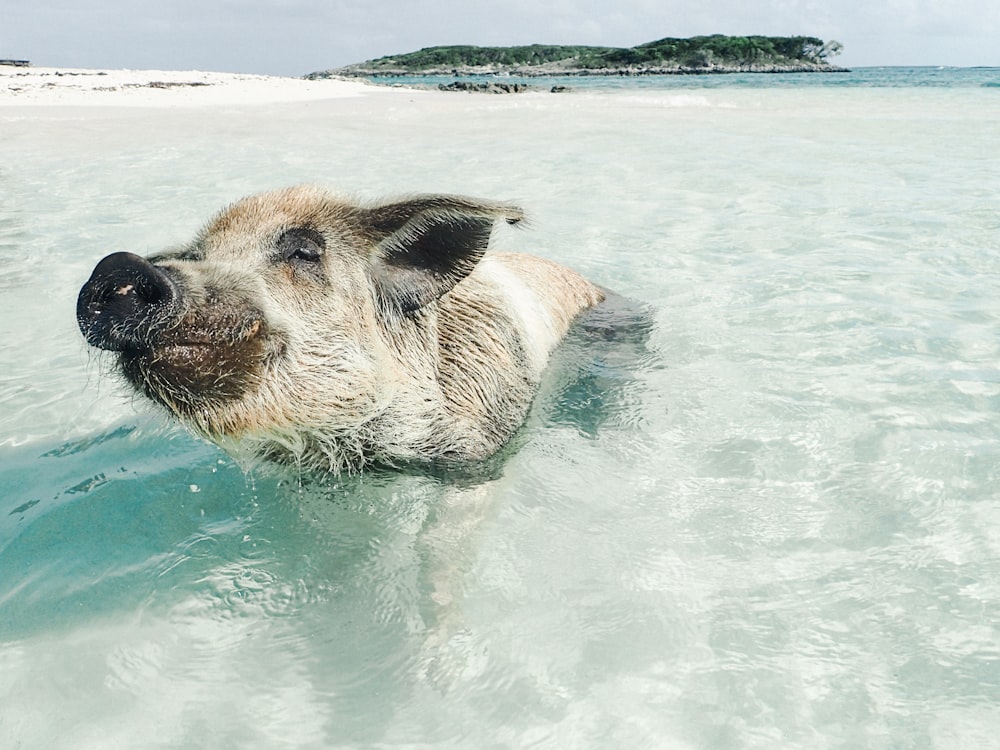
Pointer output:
x,y
304,329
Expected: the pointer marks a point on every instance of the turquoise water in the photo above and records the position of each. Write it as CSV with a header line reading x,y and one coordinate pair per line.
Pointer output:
x,y
772,523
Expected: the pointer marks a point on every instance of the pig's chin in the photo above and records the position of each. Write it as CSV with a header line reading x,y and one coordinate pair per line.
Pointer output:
x,y
189,370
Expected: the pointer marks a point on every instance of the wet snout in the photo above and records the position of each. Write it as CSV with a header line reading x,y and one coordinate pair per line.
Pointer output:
x,y
125,301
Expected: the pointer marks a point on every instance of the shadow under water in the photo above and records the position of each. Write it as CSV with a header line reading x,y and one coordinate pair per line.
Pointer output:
x,y
593,376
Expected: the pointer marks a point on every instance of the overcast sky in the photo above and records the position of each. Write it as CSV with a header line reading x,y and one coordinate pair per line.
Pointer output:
x,y
294,37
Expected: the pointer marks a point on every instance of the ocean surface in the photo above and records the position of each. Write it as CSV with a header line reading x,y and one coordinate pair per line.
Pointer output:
x,y
772,522
889,77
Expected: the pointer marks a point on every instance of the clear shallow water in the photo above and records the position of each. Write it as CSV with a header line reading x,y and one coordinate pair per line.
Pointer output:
x,y
889,77
774,524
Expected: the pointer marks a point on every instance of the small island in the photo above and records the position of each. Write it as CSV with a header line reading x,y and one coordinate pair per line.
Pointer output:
x,y
692,56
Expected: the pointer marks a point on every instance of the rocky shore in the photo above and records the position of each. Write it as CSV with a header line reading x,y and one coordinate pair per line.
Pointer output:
x,y
550,70
493,76
486,87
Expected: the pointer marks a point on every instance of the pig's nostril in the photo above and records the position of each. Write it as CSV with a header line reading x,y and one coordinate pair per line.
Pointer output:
x,y
126,300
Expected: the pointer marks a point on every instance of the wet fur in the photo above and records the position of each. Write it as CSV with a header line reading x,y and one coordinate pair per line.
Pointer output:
x,y
405,342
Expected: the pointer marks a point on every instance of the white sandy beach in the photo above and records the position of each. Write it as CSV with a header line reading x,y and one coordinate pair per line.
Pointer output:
x,y
160,88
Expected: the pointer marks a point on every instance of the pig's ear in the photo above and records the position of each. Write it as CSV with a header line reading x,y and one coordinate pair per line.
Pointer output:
x,y
426,245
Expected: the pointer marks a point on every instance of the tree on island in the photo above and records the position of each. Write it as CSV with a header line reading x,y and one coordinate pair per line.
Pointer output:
x,y
715,53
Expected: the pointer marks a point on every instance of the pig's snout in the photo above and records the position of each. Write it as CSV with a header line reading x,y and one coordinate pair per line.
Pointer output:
x,y
126,301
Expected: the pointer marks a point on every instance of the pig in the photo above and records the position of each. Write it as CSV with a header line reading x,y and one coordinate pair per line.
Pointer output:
x,y
305,329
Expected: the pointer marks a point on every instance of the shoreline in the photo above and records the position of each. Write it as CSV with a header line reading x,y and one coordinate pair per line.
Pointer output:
x,y
354,73
31,86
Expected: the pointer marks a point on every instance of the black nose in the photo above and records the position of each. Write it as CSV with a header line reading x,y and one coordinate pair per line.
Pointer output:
x,y
125,302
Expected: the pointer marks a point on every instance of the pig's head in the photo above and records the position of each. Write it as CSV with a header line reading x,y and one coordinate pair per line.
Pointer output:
x,y
290,313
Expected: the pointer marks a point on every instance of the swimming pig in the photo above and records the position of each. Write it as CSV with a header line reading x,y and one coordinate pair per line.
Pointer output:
x,y
301,328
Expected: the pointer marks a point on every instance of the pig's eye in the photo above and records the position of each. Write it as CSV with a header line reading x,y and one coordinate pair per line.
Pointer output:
x,y
301,245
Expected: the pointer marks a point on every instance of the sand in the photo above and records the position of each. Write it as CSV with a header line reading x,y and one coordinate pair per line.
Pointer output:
x,y
159,88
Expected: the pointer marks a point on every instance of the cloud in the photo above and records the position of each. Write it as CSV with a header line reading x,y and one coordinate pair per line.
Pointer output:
x,y
297,36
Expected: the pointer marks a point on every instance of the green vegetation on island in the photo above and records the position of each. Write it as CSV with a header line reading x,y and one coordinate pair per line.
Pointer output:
x,y
700,54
